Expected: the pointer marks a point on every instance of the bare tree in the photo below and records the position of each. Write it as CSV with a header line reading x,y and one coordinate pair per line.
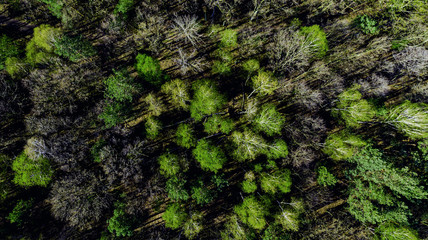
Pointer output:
x,y
188,63
376,86
308,98
187,27
413,59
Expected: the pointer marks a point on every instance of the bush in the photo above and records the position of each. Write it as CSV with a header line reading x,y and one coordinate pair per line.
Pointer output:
x,y
367,24
325,178
318,38
32,172
174,216
120,223
74,48
19,211
185,136
149,69
8,49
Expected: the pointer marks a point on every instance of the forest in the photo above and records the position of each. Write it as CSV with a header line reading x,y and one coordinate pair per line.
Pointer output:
x,y
214,119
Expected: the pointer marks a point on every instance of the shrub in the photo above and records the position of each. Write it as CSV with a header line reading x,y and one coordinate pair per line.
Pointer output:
x,y
174,216
8,49
120,222
149,69
32,172
317,37
367,24
74,48
19,211
185,136
325,178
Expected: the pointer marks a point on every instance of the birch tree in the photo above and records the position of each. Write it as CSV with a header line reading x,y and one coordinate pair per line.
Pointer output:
x,y
410,118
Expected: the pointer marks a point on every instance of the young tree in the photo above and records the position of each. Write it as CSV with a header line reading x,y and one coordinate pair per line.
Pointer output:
x,y
74,48
317,37
342,145
209,156
216,124
201,194
178,90
185,136
174,216
392,231
120,86
187,28
228,38
410,118
176,189
235,230
32,172
269,120
252,212
277,180
288,216
193,226
277,150
113,114
206,100
120,222
40,47
170,164
149,69
153,126
325,178
155,105
264,83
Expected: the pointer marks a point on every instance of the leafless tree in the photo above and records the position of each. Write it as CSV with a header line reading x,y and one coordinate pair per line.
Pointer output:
x,y
302,156
187,28
188,63
376,85
308,98
413,59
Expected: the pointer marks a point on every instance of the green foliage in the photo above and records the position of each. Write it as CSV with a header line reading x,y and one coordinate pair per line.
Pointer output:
x,y
6,186
113,114
275,232
8,49
178,90
40,47
169,164
277,180
391,231
318,38
201,194
220,67
251,66
248,186
325,178
55,6
14,66
153,126
176,189
264,83
229,38
74,48
248,145
124,6
235,230
149,69
19,211
193,225
120,86
216,124
288,217
209,156
185,136
352,109
120,223
367,24
252,212
32,172
277,150
206,100
219,182
410,118
342,145
174,216
96,148
269,120
378,188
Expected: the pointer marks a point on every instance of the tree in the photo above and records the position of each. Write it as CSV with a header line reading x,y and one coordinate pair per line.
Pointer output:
x,y
352,109
185,136
80,199
170,164
201,194
178,90
288,216
248,186
248,145
149,69
325,178
228,38
193,225
120,222
55,6
153,126
235,230
40,47
413,60
269,120
120,86
277,180
209,156
317,37
21,208
32,172
277,150
113,114
216,124
392,231
187,61
8,49
264,83
410,118
155,105
252,212
74,48
174,216
206,100
124,6
176,189
187,27
342,145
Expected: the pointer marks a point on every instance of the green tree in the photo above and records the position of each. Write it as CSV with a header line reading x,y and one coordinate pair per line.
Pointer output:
x,y
32,172
342,145
216,124
248,145
124,6
174,216
201,194
155,105
277,150
410,118
176,189
149,69
235,230
120,86
21,208
209,156
288,216
14,66
178,90
55,6
113,114
277,180
252,212
318,38
96,150
269,120
264,83
74,48
367,24
120,223
229,38
153,126
8,49
248,186
206,100
185,136
325,178
40,48
391,231
170,164
193,226
352,109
